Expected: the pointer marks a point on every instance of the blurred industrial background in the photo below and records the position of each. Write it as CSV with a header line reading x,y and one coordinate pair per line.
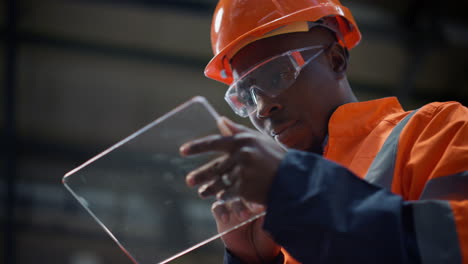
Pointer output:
x,y
76,76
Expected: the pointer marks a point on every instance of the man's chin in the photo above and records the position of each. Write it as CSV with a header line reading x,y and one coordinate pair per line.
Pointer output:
x,y
314,148
293,145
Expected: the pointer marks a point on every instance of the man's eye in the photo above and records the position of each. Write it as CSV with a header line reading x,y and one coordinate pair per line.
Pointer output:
x,y
287,75
281,77
245,97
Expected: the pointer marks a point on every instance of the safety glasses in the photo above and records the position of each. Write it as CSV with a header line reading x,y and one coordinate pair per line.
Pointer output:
x,y
270,77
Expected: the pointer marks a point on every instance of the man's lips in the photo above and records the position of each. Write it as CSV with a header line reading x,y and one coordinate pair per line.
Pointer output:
x,y
282,128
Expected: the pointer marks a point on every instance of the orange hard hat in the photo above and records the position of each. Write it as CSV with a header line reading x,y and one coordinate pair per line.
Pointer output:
x,y
237,23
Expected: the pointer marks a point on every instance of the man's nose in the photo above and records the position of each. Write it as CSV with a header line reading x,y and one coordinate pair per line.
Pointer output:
x,y
266,104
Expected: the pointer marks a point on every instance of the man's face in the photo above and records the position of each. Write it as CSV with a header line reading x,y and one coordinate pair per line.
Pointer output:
x,y
298,117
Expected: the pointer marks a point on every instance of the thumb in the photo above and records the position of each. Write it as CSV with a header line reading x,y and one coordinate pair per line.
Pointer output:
x,y
255,207
228,127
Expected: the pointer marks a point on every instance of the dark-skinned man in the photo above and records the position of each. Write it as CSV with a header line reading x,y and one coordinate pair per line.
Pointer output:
x,y
341,181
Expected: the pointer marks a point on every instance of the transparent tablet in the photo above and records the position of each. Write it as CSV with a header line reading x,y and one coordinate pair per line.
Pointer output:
x,y
136,189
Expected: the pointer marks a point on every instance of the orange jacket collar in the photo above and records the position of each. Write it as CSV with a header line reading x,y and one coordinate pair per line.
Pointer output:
x,y
357,119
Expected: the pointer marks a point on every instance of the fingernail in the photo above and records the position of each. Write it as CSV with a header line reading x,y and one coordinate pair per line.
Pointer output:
x,y
227,120
224,218
255,206
190,181
202,191
220,197
223,128
244,214
183,149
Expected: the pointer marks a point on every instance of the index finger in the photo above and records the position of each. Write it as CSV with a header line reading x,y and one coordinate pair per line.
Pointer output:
x,y
210,143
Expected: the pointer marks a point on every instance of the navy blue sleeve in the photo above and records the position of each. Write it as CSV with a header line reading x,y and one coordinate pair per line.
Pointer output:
x,y
320,212
229,258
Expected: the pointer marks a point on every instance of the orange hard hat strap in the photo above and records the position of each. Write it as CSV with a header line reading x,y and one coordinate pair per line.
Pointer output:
x,y
227,71
298,58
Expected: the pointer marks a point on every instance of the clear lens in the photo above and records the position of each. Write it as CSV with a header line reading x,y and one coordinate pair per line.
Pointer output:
x,y
237,103
272,77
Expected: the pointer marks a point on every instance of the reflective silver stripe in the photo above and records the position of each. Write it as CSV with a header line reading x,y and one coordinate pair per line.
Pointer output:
x,y
452,187
383,166
436,232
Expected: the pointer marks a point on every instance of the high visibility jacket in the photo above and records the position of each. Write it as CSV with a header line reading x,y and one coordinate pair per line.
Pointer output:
x,y
322,213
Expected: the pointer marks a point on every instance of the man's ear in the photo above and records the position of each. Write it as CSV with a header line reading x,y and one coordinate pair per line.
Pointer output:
x,y
338,57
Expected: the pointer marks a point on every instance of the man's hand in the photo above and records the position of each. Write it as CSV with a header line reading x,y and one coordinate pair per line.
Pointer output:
x,y
250,243
246,169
